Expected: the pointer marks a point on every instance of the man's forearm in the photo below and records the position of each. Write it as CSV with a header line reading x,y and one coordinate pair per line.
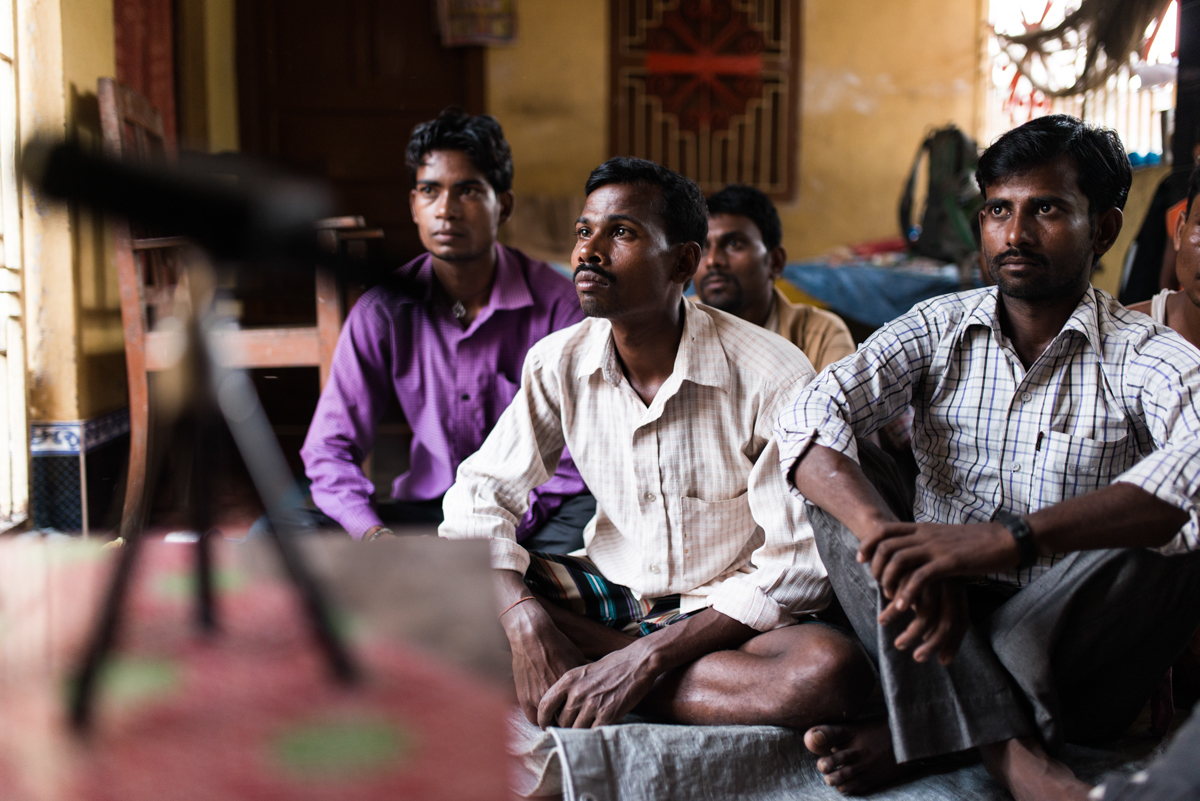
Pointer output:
x,y
835,482
686,641
1118,516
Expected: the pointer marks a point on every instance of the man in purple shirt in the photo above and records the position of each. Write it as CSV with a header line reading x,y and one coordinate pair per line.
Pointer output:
x,y
453,357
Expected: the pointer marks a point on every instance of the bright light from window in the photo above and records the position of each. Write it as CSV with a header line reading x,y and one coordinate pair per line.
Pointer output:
x,y
1163,49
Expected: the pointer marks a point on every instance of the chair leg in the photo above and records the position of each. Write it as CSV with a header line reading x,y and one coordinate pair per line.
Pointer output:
x,y
139,430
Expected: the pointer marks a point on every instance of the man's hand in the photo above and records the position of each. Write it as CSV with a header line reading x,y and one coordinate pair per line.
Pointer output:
x,y
599,693
906,558
939,622
541,654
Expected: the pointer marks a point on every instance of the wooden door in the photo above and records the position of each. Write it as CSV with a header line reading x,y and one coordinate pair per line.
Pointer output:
x,y
333,88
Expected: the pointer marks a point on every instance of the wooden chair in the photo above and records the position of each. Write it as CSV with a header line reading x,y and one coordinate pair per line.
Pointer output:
x,y
147,268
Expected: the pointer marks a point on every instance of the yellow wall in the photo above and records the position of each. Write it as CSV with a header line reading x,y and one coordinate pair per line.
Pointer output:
x,y
75,344
206,80
75,350
88,55
221,74
50,330
550,93
876,77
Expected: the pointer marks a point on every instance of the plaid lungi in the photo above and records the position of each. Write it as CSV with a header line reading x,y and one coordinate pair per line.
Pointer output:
x,y
574,583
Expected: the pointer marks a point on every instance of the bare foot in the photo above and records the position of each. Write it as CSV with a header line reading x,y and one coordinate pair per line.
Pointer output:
x,y
1029,773
855,758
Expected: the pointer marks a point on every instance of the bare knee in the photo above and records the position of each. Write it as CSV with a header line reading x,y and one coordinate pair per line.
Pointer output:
x,y
828,681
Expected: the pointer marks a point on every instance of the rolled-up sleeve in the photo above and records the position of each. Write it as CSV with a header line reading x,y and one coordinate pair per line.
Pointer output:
x,y
491,490
1165,378
859,394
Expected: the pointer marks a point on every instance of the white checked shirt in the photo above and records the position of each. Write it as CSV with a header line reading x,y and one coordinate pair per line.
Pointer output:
x,y
689,496
1113,398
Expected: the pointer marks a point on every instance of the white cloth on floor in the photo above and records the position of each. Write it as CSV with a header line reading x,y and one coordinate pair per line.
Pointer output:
x,y
654,761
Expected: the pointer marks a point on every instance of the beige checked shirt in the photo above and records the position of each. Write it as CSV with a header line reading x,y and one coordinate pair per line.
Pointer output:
x,y
689,496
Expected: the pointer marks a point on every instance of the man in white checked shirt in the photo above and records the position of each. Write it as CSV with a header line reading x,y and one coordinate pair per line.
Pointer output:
x,y
1050,423
696,595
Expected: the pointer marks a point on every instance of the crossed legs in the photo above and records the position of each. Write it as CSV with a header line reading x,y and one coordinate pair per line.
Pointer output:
x,y
796,676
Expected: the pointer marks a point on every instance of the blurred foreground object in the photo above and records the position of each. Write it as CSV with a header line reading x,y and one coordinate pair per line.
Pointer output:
x,y
254,215
251,714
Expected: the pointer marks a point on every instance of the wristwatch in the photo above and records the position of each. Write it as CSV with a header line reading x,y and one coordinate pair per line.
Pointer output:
x,y
1023,534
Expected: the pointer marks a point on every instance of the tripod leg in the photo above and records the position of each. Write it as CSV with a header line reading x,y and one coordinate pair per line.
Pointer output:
x,y
268,469
204,463
204,583
314,606
83,688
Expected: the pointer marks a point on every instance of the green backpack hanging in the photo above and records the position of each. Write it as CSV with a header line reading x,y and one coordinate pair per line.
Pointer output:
x,y
948,226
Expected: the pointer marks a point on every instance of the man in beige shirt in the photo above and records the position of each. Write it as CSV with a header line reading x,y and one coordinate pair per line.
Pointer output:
x,y
699,564
742,259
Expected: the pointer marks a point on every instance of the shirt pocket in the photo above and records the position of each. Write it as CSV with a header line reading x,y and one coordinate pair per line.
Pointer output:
x,y
1069,466
718,535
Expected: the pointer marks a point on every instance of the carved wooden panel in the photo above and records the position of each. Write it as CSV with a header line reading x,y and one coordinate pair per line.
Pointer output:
x,y
709,88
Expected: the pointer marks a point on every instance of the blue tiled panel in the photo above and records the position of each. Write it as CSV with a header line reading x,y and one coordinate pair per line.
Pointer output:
x,y
59,490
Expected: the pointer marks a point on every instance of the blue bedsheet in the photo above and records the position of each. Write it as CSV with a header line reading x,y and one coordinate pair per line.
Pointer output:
x,y
868,293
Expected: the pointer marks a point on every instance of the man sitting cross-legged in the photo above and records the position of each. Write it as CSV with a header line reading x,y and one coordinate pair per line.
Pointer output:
x,y
700,577
742,258
1058,440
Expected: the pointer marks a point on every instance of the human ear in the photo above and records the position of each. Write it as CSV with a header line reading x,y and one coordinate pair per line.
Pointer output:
x,y
1108,228
412,204
507,201
686,263
1180,224
777,260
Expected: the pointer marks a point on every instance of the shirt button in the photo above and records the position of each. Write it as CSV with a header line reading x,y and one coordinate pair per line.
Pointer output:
x,y
1016,468
466,397
654,568
650,496
1026,397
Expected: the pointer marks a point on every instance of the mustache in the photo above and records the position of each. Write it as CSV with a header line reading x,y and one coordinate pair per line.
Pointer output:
x,y
1018,253
592,268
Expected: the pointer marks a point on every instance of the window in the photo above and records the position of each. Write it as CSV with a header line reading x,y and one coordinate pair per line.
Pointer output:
x,y
1131,101
14,428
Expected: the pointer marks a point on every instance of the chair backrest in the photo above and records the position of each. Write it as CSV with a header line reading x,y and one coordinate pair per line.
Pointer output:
x,y
132,127
147,262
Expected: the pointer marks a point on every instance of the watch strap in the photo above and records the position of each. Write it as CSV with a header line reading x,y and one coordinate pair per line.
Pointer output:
x,y
1023,534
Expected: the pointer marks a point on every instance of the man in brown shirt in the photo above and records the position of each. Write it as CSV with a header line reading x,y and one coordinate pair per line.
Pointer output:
x,y
742,259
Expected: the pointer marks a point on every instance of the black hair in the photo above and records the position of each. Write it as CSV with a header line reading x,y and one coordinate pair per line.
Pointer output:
x,y
1101,165
1193,190
751,202
681,203
480,137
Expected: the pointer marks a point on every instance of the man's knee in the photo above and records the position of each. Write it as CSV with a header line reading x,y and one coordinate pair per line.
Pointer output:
x,y
828,678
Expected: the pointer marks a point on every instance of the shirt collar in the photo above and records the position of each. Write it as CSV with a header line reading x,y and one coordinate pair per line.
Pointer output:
x,y
700,359
777,301
1083,319
510,290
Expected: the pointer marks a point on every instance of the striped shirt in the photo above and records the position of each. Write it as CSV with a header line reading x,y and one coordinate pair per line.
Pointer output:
x,y
1113,398
689,498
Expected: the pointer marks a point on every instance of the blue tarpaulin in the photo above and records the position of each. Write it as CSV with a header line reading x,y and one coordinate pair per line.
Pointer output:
x,y
868,293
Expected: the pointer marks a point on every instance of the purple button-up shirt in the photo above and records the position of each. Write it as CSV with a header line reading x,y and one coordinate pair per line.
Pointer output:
x,y
452,385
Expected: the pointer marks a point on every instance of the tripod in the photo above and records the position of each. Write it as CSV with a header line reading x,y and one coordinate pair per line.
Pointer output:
x,y
197,395
259,214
